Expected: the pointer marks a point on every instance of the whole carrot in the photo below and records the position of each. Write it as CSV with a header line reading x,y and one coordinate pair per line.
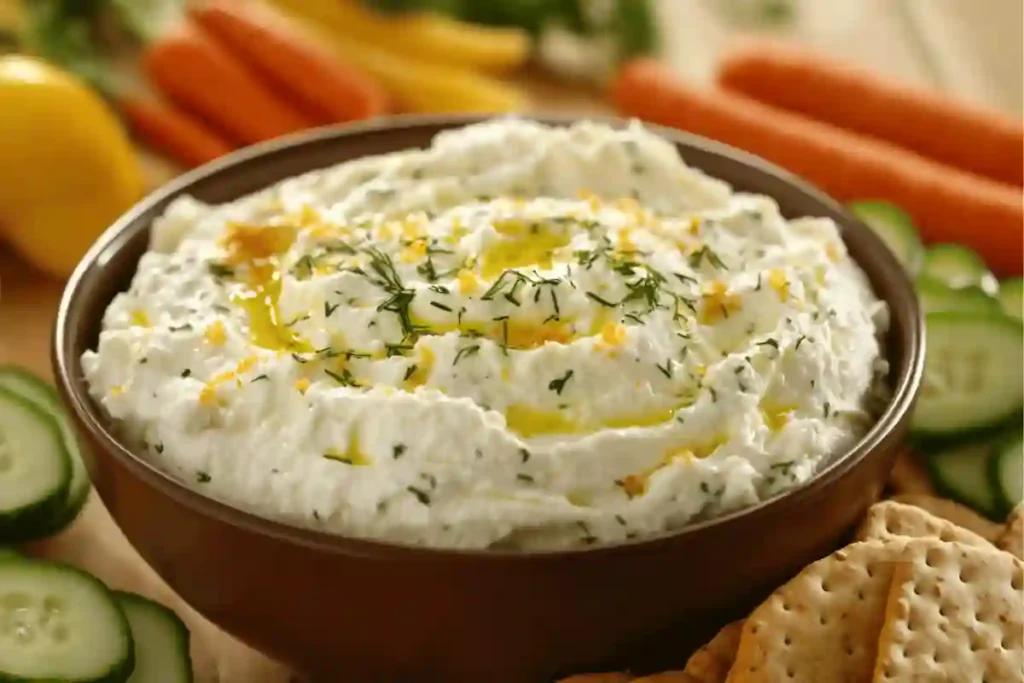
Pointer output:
x,y
329,89
203,77
948,130
949,205
172,132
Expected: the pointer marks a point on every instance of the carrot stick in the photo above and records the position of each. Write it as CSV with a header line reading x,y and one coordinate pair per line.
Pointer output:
x,y
807,82
171,131
329,89
948,204
200,75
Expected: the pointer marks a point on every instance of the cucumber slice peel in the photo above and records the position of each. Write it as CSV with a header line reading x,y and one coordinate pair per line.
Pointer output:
x,y
58,623
958,266
161,641
35,470
895,228
973,374
35,390
962,473
937,296
1011,297
1007,473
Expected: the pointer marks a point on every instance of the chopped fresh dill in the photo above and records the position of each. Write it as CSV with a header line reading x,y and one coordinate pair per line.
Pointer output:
x,y
558,384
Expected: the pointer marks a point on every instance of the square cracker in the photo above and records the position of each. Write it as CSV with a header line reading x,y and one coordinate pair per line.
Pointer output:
x,y
952,511
711,663
891,519
954,613
1011,539
823,625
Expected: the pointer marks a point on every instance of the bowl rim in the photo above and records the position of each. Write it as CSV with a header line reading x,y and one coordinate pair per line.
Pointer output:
x,y
72,387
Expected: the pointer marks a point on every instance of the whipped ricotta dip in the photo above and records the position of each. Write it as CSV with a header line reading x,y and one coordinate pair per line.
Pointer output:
x,y
520,337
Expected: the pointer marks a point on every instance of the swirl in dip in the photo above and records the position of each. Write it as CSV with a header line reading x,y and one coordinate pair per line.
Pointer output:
x,y
520,337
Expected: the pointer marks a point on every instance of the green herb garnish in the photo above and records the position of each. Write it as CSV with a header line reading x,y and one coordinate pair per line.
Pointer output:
x,y
558,384
220,270
421,495
344,378
465,352
600,300
705,253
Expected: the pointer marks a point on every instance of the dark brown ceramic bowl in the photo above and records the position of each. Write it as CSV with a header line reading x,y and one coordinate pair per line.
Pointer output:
x,y
356,610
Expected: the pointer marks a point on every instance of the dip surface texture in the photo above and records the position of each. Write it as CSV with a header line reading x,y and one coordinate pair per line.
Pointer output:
x,y
521,337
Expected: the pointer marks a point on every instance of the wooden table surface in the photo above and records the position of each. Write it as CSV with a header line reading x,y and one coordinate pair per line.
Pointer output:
x,y
918,43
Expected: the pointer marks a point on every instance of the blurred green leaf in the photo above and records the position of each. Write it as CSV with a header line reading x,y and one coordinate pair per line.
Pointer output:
x,y
60,31
630,27
451,7
637,28
527,14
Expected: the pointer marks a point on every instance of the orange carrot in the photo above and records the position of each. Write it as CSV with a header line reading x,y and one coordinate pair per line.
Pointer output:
x,y
200,75
329,89
807,82
171,131
949,205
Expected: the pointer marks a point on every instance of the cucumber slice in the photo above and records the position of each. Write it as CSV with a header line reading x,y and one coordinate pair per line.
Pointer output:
x,y
959,267
60,624
962,473
895,228
1007,473
1011,297
161,641
35,470
973,376
938,296
32,388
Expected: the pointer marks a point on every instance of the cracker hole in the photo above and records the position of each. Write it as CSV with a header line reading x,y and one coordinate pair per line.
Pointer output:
x,y
790,672
1017,582
822,620
787,641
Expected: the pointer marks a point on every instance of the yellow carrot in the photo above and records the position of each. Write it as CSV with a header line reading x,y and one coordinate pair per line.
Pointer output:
x,y
428,37
422,87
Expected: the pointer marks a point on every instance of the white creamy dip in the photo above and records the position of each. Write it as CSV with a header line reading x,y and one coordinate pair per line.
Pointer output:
x,y
522,336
